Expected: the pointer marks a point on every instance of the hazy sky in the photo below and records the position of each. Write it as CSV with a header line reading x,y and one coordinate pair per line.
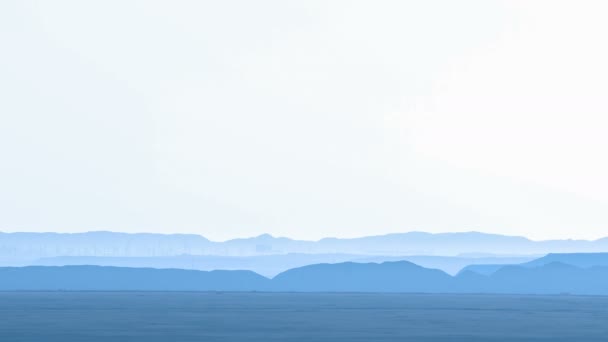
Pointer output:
x,y
304,118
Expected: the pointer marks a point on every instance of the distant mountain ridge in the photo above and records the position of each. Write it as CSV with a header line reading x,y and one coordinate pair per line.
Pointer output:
x,y
29,246
101,278
268,265
575,259
400,276
583,260
397,276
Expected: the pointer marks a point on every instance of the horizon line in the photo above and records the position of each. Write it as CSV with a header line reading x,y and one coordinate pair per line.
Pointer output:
x,y
296,239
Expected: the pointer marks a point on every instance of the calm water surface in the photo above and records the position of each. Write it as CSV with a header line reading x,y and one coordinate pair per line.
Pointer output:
x,y
165,316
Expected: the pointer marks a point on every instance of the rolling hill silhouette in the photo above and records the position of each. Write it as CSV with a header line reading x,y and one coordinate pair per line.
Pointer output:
x,y
574,259
401,276
551,278
268,265
584,260
101,278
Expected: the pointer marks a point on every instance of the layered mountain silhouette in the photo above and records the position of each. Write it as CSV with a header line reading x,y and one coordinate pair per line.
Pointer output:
x,y
269,265
400,276
100,278
406,262
575,259
583,260
550,278
31,246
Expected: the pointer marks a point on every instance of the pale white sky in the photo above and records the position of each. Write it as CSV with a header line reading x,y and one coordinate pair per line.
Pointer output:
x,y
304,118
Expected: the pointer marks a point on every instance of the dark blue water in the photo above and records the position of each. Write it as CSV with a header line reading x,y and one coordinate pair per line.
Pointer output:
x,y
158,316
